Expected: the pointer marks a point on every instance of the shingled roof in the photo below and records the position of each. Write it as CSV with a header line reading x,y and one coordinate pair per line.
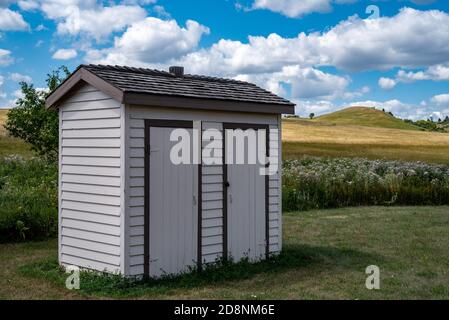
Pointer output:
x,y
149,87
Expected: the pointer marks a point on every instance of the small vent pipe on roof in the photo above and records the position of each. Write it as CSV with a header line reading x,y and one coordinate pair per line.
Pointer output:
x,y
176,71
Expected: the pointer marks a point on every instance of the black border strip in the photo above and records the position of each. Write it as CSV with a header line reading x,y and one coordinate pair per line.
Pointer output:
x,y
160,124
244,126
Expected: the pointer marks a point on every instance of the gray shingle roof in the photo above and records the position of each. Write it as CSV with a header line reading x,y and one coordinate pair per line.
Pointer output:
x,y
149,81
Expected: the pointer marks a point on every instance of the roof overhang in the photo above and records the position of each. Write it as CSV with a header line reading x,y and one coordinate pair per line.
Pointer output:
x,y
205,104
80,76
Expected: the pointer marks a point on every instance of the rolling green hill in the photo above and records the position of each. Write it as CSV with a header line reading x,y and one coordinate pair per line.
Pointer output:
x,y
363,116
363,132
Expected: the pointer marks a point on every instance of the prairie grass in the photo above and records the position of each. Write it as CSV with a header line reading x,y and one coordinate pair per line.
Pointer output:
x,y
28,199
318,183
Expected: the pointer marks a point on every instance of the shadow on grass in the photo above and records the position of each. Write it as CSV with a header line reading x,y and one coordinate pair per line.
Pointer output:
x,y
294,257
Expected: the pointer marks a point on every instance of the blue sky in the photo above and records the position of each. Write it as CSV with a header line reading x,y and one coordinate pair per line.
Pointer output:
x,y
322,54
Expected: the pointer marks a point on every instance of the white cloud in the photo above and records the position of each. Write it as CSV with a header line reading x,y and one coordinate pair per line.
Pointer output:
x,y
412,38
441,99
305,107
2,94
312,83
161,12
65,54
294,8
438,72
41,27
297,8
151,40
28,4
88,18
17,77
387,83
17,94
5,58
12,21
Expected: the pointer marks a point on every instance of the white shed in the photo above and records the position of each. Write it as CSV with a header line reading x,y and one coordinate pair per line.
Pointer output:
x,y
126,207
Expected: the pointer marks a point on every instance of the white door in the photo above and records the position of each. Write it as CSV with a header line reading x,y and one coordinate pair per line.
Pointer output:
x,y
245,211
173,208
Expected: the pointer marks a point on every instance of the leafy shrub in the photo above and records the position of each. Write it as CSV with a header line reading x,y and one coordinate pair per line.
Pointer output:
x,y
32,122
28,199
312,183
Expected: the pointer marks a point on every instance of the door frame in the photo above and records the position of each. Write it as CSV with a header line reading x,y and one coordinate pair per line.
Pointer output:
x,y
244,126
175,124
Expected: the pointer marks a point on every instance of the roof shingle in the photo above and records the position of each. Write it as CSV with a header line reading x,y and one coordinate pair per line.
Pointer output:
x,y
149,81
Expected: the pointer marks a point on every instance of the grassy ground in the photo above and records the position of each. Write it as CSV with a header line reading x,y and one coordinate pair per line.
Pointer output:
x,y
9,145
302,137
328,249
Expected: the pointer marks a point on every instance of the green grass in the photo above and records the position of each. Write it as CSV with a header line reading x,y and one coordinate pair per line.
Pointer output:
x,y
28,199
325,256
363,116
10,145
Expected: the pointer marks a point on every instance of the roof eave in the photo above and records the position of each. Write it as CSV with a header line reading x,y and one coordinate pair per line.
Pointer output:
x,y
64,90
148,99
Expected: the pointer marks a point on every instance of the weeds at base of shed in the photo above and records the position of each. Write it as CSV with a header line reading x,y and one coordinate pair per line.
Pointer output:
x,y
104,284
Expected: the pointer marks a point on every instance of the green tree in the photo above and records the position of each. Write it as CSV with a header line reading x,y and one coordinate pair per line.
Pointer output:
x,y
311,115
31,121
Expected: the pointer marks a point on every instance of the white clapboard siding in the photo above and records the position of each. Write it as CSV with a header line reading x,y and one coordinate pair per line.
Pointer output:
x,y
135,196
212,198
274,225
90,170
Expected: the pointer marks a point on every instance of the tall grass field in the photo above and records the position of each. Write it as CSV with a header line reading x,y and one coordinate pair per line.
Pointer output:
x,y
319,183
28,199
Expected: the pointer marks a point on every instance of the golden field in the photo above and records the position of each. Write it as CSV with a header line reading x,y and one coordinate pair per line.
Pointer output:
x,y
321,138
9,145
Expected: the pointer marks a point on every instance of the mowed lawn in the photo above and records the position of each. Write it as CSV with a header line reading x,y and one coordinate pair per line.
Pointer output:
x,y
330,250
326,139
10,145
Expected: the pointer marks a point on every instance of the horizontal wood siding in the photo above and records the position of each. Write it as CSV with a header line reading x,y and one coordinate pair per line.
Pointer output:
x,y
212,184
274,191
90,184
136,196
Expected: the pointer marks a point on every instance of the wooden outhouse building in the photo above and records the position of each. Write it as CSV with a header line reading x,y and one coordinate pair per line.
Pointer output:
x,y
125,206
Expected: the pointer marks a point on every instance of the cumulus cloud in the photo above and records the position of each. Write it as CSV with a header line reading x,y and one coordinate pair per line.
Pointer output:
x,y
17,77
412,38
5,58
12,21
438,72
151,40
88,18
387,83
441,99
28,4
295,8
300,8
65,54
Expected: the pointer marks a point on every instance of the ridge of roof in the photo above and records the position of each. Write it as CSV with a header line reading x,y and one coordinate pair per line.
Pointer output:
x,y
156,72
